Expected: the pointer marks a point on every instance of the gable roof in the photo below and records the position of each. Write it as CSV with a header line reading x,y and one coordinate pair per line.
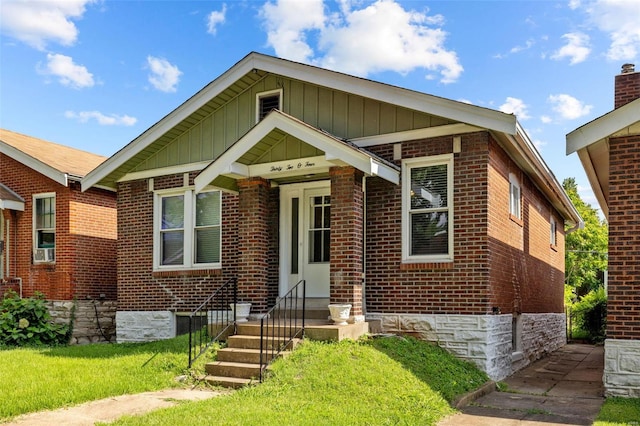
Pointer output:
x,y
248,69
336,151
55,161
462,118
591,142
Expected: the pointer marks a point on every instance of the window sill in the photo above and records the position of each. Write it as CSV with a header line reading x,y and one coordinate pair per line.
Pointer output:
x,y
186,273
516,220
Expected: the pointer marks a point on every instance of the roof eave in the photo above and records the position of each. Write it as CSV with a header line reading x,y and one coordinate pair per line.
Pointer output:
x,y
34,164
465,113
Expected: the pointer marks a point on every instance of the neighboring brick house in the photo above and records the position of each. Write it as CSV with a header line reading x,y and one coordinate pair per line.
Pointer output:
x,y
431,217
609,149
56,239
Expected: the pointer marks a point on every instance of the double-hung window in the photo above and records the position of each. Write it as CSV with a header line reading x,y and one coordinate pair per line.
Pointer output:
x,y
44,227
188,230
427,209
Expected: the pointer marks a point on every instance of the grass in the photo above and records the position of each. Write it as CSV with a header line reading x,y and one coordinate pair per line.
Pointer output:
x,y
389,381
35,379
618,412
372,381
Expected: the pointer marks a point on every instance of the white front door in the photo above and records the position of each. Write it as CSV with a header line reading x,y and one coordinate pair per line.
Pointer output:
x,y
305,215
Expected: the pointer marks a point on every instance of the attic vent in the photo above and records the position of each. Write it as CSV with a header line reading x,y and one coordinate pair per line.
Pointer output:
x,y
268,101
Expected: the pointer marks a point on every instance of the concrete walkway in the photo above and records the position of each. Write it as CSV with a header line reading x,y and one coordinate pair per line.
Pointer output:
x,y
564,388
110,409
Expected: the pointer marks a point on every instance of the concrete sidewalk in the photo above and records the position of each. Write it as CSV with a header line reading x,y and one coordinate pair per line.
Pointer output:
x,y
110,409
564,388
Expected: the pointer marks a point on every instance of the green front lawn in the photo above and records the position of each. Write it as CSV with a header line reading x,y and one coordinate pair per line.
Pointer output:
x,y
375,381
34,379
372,382
619,412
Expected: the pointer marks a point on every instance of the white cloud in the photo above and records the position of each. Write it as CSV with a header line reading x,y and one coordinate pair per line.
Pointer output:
x,y
68,73
577,48
620,19
568,107
37,23
102,119
515,106
381,36
546,119
216,18
164,76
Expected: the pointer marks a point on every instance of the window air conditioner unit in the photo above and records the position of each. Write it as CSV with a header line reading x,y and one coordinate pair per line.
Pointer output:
x,y
44,255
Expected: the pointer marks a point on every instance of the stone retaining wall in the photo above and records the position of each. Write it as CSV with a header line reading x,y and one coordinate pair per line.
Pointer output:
x,y
94,320
484,340
622,368
144,326
541,334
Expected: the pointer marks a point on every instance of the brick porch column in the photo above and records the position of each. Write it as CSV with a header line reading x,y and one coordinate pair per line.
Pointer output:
x,y
253,242
347,221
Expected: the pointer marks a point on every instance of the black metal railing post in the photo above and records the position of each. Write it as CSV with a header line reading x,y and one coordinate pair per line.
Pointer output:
x,y
212,320
281,326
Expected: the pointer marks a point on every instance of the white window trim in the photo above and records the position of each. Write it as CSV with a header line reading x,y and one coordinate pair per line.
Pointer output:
x,y
34,235
189,231
407,165
515,183
267,94
553,235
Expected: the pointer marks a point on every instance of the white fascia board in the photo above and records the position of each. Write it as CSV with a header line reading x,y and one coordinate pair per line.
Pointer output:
x,y
12,205
385,172
458,111
592,176
409,135
164,171
333,149
603,126
37,165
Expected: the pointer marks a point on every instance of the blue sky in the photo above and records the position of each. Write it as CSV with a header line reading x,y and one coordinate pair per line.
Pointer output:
x,y
95,74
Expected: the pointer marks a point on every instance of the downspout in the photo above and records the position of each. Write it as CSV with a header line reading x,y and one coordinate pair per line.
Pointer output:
x,y
364,247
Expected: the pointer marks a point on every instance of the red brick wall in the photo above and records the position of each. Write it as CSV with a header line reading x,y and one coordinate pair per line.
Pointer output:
x,y
460,287
139,288
494,264
526,273
85,251
623,317
347,215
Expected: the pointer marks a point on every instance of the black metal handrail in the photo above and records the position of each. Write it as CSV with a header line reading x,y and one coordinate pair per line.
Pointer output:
x,y
280,325
212,319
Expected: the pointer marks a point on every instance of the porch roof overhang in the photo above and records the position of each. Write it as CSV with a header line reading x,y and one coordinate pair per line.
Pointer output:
x,y
10,200
226,169
591,142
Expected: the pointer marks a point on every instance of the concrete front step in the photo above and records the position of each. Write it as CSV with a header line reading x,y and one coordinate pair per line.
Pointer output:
x,y
239,370
228,382
250,356
243,341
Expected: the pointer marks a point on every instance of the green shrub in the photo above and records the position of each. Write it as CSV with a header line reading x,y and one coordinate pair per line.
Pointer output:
x,y
27,322
590,314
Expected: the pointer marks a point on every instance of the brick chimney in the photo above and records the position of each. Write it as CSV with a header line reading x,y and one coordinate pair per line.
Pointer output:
x,y
627,86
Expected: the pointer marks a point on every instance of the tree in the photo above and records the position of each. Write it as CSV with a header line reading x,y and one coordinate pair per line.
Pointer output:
x,y
586,249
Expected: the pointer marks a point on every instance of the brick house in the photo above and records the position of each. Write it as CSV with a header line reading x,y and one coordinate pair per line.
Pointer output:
x,y
608,150
430,217
54,238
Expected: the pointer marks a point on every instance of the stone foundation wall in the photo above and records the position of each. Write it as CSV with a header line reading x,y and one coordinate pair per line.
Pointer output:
x,y
622,368
94,320
144,326
484,340
541,334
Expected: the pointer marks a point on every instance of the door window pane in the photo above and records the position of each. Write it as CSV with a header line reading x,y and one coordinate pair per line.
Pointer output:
x,y
319,232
